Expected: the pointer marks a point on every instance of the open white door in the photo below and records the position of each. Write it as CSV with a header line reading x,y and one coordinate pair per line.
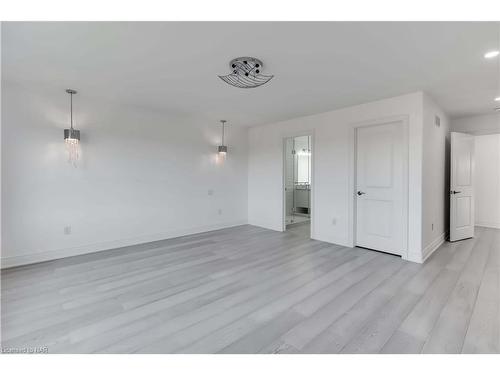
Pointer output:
x,y
380,182
461,186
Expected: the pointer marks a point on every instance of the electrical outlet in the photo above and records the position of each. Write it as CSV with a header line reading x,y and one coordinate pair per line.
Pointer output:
x,y
334,221
219,211
67,230
210,192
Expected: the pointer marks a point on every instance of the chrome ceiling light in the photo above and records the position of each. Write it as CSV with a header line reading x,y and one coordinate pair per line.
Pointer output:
x,y
71,135
222,149
246,73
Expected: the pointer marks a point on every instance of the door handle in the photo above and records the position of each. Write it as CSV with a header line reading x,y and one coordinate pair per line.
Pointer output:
x,y
361,192
454,192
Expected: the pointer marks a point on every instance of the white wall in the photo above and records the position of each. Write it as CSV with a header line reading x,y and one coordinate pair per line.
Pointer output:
x,y
142,176
485,124
145,176
332,165
487,180
435,177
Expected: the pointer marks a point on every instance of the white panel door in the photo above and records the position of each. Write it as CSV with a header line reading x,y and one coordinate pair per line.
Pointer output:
x,y
461,186
380,183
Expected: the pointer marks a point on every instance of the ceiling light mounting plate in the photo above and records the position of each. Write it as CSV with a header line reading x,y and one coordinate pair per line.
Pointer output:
x,y
245,63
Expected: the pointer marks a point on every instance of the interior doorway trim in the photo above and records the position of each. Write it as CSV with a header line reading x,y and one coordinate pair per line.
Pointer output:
x,y
284,137
404,119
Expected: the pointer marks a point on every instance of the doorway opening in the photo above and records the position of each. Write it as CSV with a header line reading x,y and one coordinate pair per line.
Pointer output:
x,y
297,183
474,183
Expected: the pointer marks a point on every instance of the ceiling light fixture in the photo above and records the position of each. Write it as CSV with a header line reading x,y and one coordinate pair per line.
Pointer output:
x,y
71,135
497,99
246,73
491,54
222,149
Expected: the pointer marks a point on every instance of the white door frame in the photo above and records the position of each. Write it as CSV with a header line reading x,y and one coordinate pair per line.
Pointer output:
x,y
283,182
352,176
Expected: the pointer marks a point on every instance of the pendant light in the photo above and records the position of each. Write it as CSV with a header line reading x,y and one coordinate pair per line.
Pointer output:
x,y
222,148
71,135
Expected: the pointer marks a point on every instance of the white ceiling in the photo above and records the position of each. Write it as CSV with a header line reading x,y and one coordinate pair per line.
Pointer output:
x,y
318,66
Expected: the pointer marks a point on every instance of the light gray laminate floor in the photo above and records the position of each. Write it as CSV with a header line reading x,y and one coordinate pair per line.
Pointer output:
x,y
251,290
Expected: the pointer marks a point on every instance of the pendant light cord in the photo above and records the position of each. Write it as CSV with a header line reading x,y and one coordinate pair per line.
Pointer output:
x,y
71,109
223,128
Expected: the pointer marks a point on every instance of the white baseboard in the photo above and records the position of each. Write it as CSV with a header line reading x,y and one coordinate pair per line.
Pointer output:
x,y
433,246
488,224
414,257
341,241
20,260
266,225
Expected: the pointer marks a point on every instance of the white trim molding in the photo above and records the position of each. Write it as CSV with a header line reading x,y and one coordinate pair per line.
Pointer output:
x,y
487,224
433,246
21,260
